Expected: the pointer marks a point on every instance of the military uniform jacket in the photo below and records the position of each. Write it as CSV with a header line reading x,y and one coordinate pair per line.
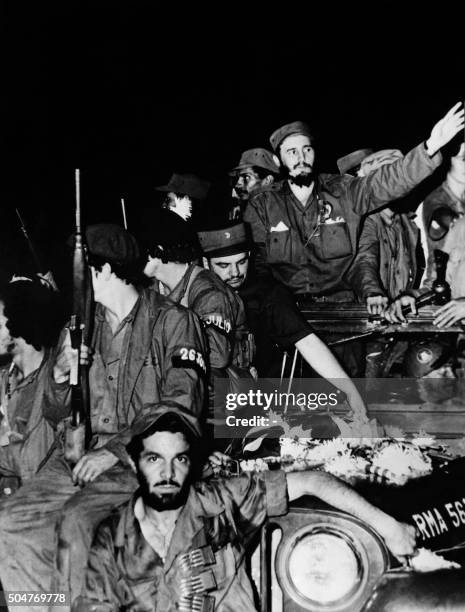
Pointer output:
x,y
125,572
221,311
163,358
376,267
40,429
310,248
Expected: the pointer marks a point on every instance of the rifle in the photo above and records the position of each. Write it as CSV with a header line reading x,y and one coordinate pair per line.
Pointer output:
x,y
30,244
78,429
438,295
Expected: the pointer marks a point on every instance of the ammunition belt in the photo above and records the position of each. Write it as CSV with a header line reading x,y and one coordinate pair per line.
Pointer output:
x,y
198,580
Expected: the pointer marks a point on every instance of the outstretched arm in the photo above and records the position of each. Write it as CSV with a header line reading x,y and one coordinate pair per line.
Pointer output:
x,y
399,537
322,360
393,181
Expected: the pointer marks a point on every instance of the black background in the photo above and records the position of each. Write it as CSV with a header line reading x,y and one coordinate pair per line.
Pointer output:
x,y
129,92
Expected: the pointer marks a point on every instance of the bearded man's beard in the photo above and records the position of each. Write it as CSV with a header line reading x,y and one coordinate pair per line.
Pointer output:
x,y
301,180
164,501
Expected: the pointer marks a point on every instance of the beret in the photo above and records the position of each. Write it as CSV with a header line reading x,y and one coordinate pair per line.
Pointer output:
x,y
112,243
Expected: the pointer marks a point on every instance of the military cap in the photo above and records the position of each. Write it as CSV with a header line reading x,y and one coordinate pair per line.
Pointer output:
x,y
380,158
112,243
352,160
296,127
151,413
225,241
187,184
262,158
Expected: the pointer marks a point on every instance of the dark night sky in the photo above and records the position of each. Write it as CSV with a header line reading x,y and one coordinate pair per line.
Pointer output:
x,y
129,94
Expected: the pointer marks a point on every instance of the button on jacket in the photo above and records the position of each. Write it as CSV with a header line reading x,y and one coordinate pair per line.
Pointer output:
x,y
310,248
125,572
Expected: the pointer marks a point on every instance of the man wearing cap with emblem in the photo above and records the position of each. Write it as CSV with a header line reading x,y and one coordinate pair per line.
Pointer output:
x,y
185,194
271,310
144,348
180,544
306,227
257,170
172,251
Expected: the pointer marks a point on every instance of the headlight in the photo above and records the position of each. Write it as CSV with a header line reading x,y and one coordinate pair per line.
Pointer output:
x,y
325,561
323,567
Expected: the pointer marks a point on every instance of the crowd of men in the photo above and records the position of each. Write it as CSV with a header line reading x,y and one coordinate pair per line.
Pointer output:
x,y
134,521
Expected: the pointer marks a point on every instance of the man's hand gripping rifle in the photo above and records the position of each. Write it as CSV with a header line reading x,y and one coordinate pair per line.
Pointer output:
x,y
438,295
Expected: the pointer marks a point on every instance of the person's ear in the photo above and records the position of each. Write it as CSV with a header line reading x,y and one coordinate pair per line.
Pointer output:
x,y
268,180
276,160
205,263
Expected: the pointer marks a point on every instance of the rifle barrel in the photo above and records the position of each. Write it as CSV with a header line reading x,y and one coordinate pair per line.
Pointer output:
x,y
77,180
35,256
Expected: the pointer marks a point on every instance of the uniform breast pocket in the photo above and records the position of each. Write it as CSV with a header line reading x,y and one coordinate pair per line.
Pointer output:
x,y
335,240
278,245
285,247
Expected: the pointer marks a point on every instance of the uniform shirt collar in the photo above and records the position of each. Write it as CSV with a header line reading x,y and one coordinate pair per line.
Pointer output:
x,y
197,505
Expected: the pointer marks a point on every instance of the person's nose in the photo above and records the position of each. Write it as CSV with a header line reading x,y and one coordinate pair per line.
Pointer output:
x,y
235,270
168,470
300,156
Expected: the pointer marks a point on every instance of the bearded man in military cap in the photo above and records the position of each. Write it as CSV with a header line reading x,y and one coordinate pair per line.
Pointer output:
x,y
144,347
181,542
306,226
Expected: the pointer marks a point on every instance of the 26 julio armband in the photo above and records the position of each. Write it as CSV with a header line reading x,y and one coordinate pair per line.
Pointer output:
x,y
186,357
